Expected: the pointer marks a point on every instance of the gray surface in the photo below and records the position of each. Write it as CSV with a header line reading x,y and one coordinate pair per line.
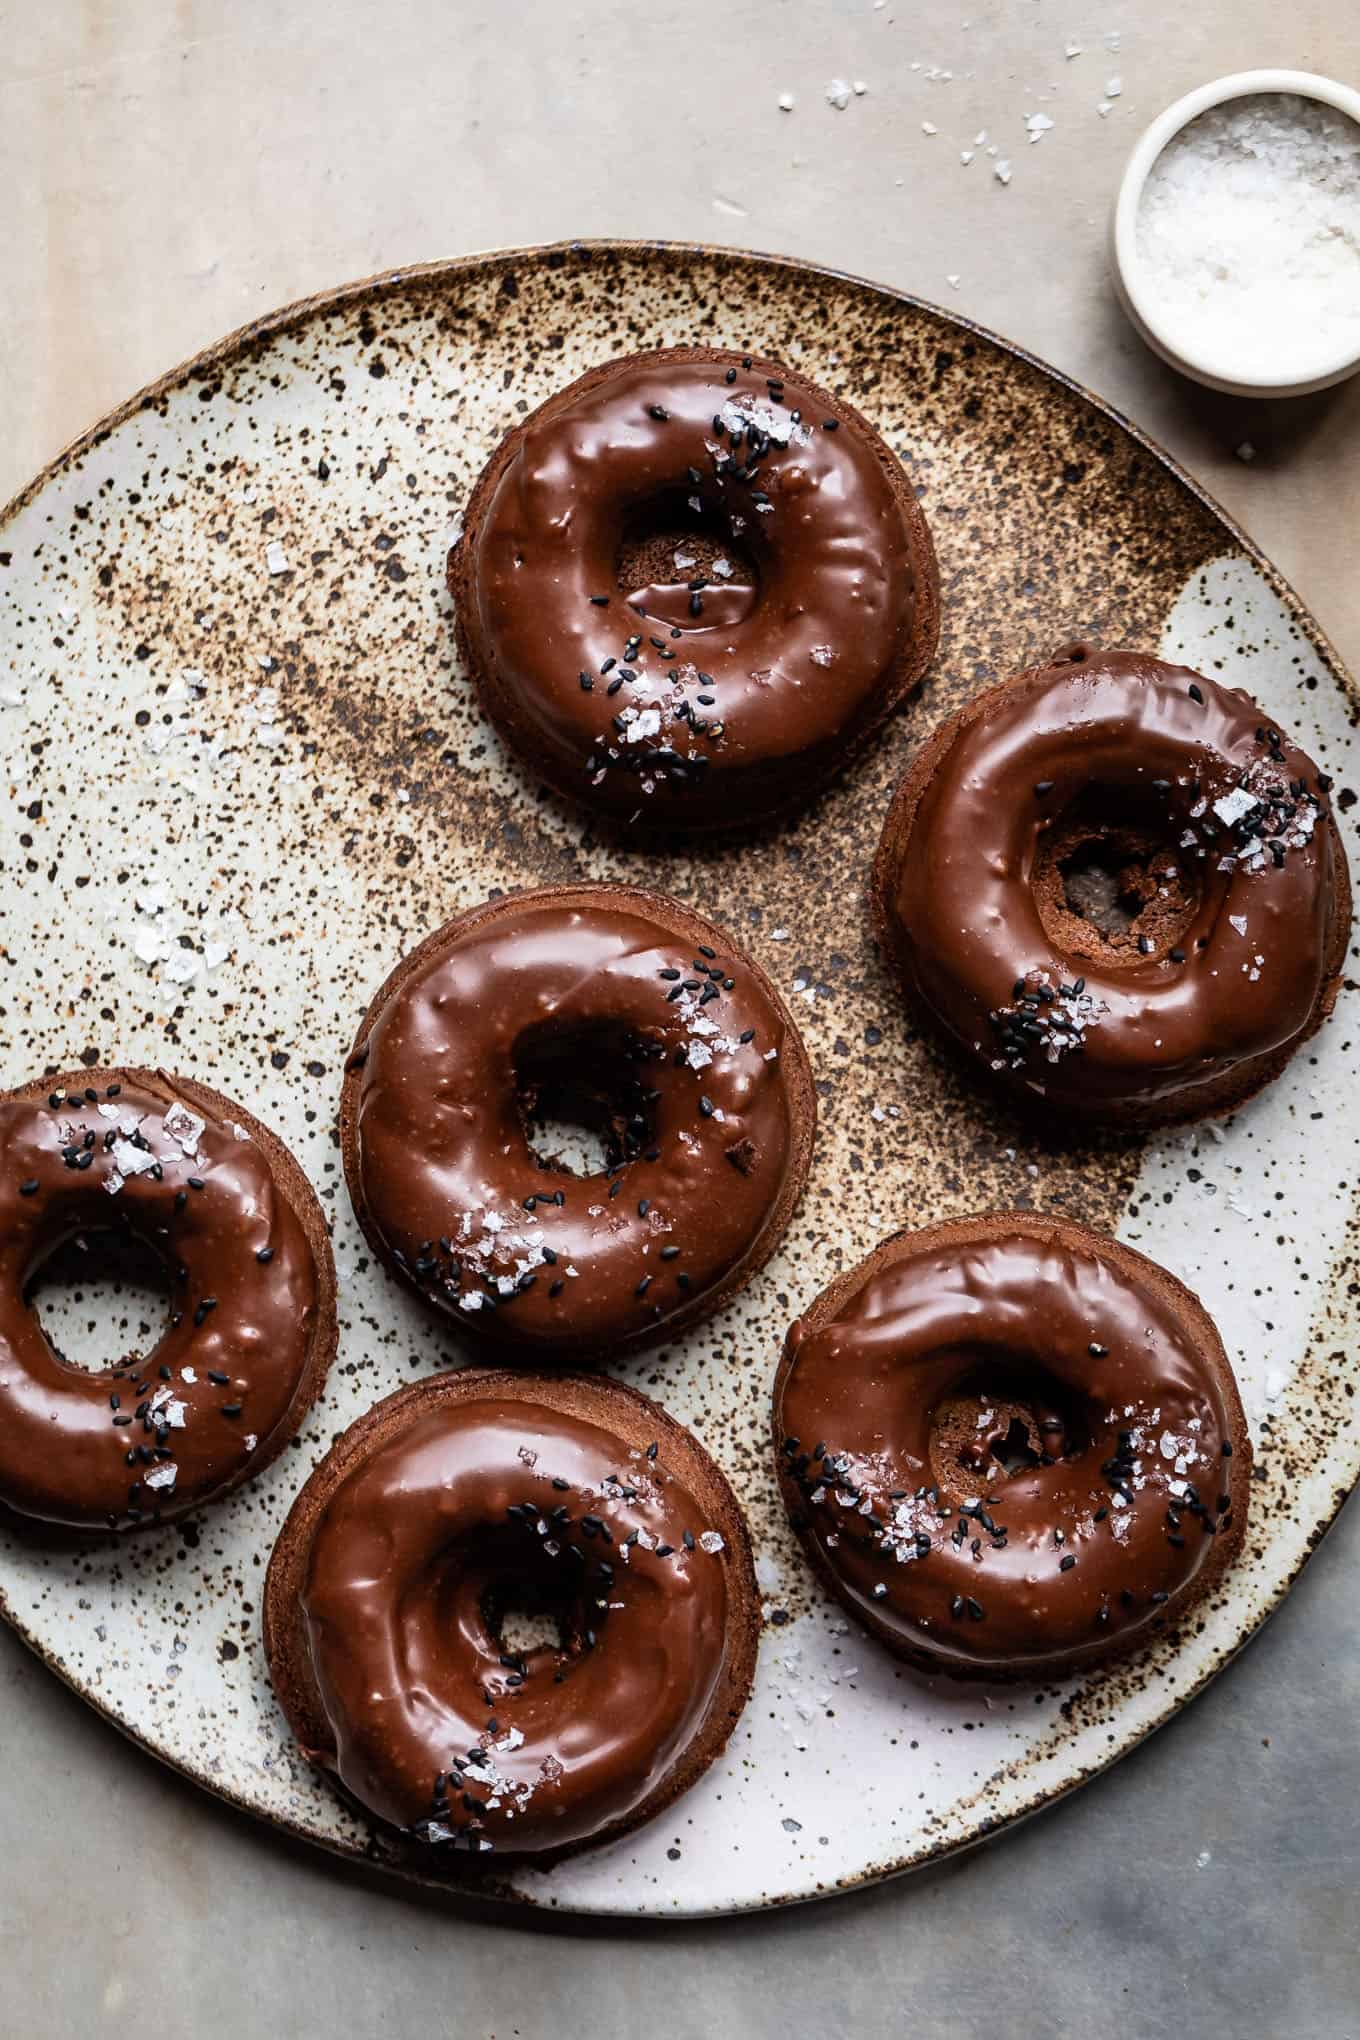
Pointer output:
x,y
171,167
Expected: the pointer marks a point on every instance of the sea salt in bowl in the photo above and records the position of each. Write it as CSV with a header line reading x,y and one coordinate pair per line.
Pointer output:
x,y
1236,234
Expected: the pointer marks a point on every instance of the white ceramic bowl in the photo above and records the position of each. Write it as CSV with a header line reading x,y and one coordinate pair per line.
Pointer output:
x,y
1139,301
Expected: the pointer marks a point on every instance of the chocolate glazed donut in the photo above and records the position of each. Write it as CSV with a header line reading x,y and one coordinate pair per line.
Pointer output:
x,y
223,1205
457,1503
1011,1446
690,585
619,1010
1116,886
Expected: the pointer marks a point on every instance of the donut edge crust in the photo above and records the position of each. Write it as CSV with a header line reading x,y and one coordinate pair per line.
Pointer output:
x,y
636,1421
1202,1334
294,1186
1209,1100
759,798
678,920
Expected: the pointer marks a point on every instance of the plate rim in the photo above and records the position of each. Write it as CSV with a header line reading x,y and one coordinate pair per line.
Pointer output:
x,y
498,1899
284,318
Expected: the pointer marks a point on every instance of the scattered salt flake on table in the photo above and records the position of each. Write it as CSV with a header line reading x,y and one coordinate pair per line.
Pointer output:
x,y
1104,106
786,102
1002,172
1204,1859
1037,126
1113,87
838,94
1070,50
928,127
860,88
954,281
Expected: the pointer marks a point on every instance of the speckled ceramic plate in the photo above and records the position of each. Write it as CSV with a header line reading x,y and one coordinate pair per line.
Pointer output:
x,y
242,773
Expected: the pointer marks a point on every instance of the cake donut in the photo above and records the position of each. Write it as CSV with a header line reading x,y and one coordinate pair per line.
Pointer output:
x,y
450,1508
1011,1446
619,1011
1117,887
221,1203
690,585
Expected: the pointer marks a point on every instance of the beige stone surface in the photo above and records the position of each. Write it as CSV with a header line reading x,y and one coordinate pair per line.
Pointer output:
x,y
170,168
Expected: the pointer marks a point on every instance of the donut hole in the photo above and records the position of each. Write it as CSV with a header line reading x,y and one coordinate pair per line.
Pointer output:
x,y
532,1607
1111,884
667,548
584,1096
102,1299
1008,1418
526,1616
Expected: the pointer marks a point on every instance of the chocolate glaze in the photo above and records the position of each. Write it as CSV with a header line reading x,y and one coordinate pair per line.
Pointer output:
x,y
791,671
440,1728
683,1060
1059,1561
1243,974
144,1158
